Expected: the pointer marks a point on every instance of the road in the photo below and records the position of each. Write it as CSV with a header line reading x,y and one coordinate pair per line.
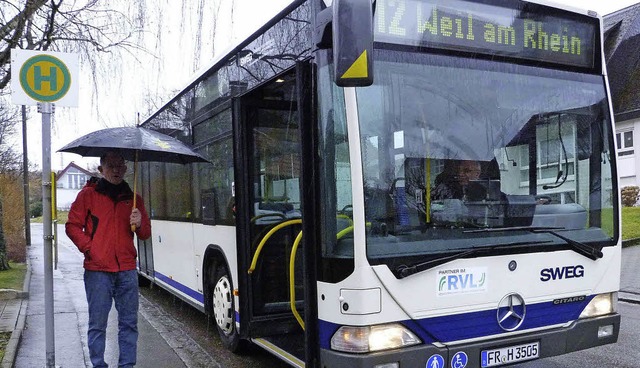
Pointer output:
x,y
624,354
193,323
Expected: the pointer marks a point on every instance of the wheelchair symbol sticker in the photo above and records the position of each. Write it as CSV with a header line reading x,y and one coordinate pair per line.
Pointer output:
x,y
459,360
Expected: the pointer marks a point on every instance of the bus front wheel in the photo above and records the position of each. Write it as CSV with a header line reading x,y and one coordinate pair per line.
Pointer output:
x,y
223,310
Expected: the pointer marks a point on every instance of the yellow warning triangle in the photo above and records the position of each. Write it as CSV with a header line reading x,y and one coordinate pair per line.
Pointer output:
x,y
358,69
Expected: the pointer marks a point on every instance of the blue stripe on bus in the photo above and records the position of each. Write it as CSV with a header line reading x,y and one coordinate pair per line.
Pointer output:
x,y
464,326
178,286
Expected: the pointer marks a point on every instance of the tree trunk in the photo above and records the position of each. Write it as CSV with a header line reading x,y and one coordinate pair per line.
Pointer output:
x,y
4,262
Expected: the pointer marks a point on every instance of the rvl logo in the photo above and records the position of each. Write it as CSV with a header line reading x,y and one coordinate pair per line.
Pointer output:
x,y
462,281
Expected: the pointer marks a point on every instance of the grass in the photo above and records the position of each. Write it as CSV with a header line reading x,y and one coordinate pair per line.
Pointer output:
x,y
630,223
4,339
62,218
14,277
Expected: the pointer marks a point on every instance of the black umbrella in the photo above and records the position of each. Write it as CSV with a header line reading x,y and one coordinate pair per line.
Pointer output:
x,y
135,144
132,143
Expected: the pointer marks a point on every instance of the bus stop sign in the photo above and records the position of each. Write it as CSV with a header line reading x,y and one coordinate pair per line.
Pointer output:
x,y
44,77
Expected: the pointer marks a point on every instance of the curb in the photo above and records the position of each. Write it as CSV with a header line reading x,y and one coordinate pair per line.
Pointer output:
x,y
12,346
629,297
630,242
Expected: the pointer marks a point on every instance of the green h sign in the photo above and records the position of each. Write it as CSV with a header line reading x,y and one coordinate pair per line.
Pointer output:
x,y
45,78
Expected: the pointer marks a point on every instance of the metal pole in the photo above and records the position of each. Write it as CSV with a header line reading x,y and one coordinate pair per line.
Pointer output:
x,y
46,109
25,178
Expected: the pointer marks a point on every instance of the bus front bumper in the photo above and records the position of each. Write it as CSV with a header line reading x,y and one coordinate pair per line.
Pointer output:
x,y
583,334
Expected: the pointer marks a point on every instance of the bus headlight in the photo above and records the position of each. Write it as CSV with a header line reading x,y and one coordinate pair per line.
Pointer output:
x,y
600,305
366,339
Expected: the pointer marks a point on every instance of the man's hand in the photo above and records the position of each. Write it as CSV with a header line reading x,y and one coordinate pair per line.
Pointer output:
x,y
136,218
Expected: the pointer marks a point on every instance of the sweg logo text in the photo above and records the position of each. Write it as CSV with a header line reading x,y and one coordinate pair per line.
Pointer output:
x,y
559,273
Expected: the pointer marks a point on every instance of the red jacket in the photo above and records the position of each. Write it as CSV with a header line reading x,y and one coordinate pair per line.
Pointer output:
x,y
99,226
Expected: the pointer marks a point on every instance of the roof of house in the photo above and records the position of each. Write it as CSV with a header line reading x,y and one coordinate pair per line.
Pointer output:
x,y
622,42
73,165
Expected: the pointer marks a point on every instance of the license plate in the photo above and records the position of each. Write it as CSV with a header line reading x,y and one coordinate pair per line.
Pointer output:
x,y
510,354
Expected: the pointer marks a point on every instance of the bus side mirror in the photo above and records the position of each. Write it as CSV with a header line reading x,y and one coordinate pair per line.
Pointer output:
x,y
352,28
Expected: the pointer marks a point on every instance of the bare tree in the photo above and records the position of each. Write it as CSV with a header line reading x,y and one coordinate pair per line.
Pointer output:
x,y
9,115
9,161
82,27
4,262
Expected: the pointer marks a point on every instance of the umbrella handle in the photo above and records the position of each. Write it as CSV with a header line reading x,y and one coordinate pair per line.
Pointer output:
x,y
135,183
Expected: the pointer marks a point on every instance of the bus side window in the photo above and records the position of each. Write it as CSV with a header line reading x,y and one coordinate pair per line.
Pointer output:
x,y
208,206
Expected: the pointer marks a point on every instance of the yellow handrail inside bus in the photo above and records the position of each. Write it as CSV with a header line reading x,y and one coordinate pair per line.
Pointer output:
x,y
345,217
256,255
349,229
428,192
292,263
344,232
54,217
292,283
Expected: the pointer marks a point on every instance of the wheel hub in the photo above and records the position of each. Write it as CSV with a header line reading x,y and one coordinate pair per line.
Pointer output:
x,y
223,305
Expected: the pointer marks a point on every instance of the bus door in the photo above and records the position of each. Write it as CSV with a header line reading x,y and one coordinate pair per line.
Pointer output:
x,y
269,217
145,247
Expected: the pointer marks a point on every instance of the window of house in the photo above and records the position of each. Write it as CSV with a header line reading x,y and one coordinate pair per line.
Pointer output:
x,y
555,150
624,141
76,180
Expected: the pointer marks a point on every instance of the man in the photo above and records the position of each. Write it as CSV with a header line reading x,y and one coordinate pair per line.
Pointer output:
x,y
100,224
451,183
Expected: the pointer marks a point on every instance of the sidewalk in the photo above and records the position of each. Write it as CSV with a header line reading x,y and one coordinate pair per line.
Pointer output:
x,y
25,317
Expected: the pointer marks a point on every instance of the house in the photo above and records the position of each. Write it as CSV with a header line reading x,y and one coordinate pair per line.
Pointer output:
x,y
622,42
69,181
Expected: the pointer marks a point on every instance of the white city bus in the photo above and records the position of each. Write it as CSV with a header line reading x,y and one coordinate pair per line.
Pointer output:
x,y
315,232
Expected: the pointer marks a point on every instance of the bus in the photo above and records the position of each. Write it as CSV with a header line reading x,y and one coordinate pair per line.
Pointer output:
x,y
318,229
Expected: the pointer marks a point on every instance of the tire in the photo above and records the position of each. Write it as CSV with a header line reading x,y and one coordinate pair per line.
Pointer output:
x,y
223,311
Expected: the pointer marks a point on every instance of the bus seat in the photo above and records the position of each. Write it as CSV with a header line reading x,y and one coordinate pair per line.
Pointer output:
x,y
275,206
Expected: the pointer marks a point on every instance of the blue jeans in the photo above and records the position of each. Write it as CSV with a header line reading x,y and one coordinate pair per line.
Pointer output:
x,y
102,289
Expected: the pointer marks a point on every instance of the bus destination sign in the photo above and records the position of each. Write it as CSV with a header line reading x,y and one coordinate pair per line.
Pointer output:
x,y
486,29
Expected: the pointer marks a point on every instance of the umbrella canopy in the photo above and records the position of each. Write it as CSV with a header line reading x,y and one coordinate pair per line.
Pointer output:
x,y
148,144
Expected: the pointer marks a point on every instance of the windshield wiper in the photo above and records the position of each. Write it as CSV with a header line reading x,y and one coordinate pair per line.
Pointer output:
x,y
403,271
589,251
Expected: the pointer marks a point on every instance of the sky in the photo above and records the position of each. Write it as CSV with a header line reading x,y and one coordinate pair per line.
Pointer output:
x,y
163,73
603,7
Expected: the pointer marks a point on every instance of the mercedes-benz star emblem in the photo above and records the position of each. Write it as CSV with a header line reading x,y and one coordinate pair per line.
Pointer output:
x,y
511,312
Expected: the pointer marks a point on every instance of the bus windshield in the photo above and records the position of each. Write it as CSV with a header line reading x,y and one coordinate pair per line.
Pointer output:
x,y
451,146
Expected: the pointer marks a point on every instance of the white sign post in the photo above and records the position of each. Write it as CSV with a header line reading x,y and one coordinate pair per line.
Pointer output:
x,y
43,78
